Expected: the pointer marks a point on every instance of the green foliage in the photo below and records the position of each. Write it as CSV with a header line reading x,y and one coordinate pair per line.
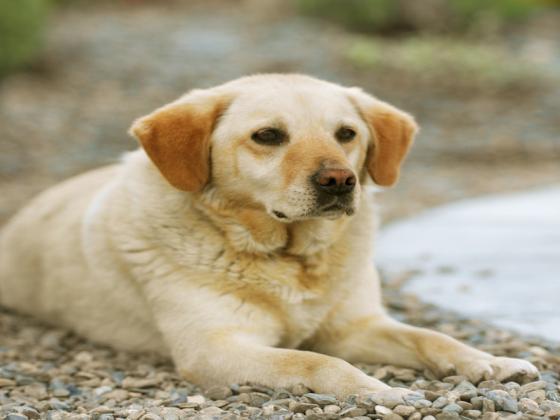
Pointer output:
x,y
417,15
437,61
22,23
469,10
358,14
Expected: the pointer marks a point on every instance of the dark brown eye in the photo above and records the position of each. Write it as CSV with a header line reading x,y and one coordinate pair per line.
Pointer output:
x,y
345,134
269,136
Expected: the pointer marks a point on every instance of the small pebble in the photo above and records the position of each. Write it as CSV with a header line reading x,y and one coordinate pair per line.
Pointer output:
x,y
301,407
448,415
488,405
503,400
331,409
390,416
15,416
404,410
321,399
538,395
197,399
422,404
352,412
551,408
452,408
218,392
440,402
415,416
383,411
472,414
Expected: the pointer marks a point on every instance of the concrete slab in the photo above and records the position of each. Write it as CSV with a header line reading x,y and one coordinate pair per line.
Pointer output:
x,y
495,258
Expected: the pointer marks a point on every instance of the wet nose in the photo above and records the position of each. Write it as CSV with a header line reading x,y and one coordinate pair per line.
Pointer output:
x,y
335,181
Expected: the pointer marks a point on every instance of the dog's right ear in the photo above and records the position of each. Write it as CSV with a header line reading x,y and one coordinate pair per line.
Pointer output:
x,y
176,137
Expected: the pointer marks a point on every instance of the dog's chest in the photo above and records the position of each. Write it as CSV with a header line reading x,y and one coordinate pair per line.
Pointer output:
x,y
295,293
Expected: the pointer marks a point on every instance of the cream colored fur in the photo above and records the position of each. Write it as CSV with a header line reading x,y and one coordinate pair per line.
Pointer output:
x,y
211,277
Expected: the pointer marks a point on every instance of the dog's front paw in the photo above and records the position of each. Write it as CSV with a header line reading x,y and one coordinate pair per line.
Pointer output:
x,y
498,368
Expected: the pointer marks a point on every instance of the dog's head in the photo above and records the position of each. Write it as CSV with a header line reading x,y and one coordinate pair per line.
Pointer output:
x,y
295,146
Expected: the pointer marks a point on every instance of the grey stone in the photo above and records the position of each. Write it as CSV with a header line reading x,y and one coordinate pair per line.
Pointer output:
x,y
455,379
331,409
552,395
383,411
391,416
218,392
130,382
477,402
211,411
551,408
466,390
440,402
352,412
122,394
30,412
404,410
491,384
171,413
59,405
503,400
472,414
36,390
321,399
432,396
465,405
488,405
530,406
310,416
4,382
422,404
15,416
301,407
448,416
452,408
532,386
429,411
538,395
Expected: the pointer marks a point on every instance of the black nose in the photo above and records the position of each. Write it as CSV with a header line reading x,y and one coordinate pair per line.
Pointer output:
x,y
334,181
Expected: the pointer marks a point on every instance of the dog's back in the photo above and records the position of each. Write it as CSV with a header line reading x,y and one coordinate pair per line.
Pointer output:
x,y
30,242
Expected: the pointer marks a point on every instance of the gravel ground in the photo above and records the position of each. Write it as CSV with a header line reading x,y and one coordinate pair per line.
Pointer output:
x,y
46,372
106,65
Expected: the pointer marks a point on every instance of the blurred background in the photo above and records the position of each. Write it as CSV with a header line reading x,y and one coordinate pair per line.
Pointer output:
x,y
482,78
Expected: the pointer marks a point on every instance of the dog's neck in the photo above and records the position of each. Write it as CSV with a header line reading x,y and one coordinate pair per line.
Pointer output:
x,y
251,229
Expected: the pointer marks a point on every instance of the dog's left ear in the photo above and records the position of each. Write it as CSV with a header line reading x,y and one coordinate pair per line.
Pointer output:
x,y
176,137
392,133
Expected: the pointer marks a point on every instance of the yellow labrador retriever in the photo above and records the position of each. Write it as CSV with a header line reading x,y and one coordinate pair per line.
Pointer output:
x,y
237,241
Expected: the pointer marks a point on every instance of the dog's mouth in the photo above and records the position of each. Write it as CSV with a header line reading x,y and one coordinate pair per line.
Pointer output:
x,y
279,214
335,209
332,210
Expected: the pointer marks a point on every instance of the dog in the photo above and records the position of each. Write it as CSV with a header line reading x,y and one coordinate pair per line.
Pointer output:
x,y
238,241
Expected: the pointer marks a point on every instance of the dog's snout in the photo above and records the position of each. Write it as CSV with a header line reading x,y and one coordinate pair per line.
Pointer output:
x,y
335,181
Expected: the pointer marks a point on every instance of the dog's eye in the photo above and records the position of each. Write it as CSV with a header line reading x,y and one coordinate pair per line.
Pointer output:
x,y
345,134
269,136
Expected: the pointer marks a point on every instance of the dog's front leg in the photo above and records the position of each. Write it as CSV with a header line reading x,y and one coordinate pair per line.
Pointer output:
x,y
216,339
234,359
380,339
